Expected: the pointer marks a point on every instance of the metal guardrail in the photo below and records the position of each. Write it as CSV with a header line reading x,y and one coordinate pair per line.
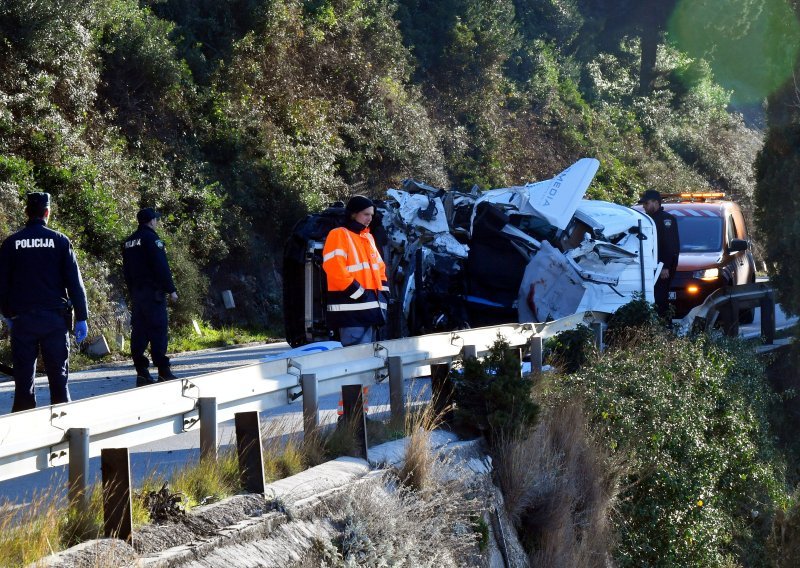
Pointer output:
x,y
724,304
38,439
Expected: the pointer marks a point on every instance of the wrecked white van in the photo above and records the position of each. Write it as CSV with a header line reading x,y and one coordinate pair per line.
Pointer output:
x,y
466,259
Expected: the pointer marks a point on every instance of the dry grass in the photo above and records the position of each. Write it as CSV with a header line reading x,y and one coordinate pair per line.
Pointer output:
x,y
418,460
559,491
282,448
210,480
381,523
29,533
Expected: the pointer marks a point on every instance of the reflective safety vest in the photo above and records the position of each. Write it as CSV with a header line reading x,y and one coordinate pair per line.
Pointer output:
x,y
356,274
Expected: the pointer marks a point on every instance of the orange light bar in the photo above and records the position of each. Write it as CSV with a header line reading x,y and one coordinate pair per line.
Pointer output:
x,y
710,195
694,196
692,289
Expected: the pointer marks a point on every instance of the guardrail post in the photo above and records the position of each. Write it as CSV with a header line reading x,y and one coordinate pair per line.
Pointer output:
x,y
537,353
78,467
117,508
354,416
396,391
768,317
209,441
442,391
248,447
308,382
469,352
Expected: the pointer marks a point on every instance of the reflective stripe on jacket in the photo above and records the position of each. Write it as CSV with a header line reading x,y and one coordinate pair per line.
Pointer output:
x,y
356,274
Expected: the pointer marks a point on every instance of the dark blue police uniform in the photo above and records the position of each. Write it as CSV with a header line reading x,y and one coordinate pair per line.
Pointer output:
x,y
149,280
39,277
669,249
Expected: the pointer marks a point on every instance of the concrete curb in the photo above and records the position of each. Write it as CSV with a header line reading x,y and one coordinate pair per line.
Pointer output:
x,y
300,495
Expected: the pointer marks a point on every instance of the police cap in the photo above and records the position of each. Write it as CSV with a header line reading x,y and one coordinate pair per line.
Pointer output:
x,y
648,195
36,203
146,215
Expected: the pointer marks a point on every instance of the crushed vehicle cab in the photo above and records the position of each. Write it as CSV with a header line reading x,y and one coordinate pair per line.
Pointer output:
x,y
458,259
715,249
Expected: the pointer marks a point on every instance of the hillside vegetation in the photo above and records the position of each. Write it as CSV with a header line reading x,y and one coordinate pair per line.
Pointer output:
x,y
236,117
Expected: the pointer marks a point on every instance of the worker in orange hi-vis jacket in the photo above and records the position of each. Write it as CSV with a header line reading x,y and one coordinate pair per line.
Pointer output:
x,y
357,286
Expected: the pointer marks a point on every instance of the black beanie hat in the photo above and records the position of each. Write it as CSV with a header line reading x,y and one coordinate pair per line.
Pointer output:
x,y
358,203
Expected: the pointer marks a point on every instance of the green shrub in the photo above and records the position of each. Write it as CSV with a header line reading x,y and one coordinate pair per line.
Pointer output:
x,y
192,285
690,420
631,318
571,349
491,396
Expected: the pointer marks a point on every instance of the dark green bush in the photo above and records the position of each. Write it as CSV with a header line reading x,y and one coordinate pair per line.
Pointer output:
x,y
571,349
491,396
634,317
690,420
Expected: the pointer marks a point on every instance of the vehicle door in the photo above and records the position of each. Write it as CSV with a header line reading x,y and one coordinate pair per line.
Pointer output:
x,y
737,260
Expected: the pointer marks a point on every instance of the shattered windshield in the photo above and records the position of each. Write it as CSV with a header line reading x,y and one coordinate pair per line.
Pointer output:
x,y
700,234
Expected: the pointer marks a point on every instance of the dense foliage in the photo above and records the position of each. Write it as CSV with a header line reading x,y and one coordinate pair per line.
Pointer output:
x,y
689,421
235,117
491,396
778,202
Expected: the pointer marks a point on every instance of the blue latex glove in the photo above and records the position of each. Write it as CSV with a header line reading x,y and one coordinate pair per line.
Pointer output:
x,y
81,329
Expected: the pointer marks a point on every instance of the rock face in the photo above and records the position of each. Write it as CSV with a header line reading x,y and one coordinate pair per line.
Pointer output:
x,y
332,515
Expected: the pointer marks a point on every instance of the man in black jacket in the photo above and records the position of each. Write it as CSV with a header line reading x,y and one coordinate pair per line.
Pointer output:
x,y
149,281
40,285
669,246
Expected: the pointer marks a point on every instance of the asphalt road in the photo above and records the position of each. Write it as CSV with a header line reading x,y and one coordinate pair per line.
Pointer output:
x,y
782,321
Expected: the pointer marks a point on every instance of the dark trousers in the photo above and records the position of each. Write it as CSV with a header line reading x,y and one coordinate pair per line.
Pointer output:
x,y
661,295
45,329
149,326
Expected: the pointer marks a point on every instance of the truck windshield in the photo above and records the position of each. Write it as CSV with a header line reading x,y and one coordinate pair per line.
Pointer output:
x,y
700,234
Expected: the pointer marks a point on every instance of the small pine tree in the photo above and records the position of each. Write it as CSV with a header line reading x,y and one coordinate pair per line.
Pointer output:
x,y
491,395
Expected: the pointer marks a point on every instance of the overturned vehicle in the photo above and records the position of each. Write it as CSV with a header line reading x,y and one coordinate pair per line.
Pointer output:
x,y
457,259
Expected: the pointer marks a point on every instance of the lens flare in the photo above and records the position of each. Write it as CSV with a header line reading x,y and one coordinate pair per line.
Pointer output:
x,y
752,45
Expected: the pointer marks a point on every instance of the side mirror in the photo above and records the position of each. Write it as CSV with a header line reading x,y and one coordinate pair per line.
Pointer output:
x,y
737,245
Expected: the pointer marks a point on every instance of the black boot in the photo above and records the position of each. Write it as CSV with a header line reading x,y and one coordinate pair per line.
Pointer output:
x,y
144,378
165,374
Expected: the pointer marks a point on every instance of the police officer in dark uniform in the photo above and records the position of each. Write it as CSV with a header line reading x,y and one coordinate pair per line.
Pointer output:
x,y
40,285
149,280
669,246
